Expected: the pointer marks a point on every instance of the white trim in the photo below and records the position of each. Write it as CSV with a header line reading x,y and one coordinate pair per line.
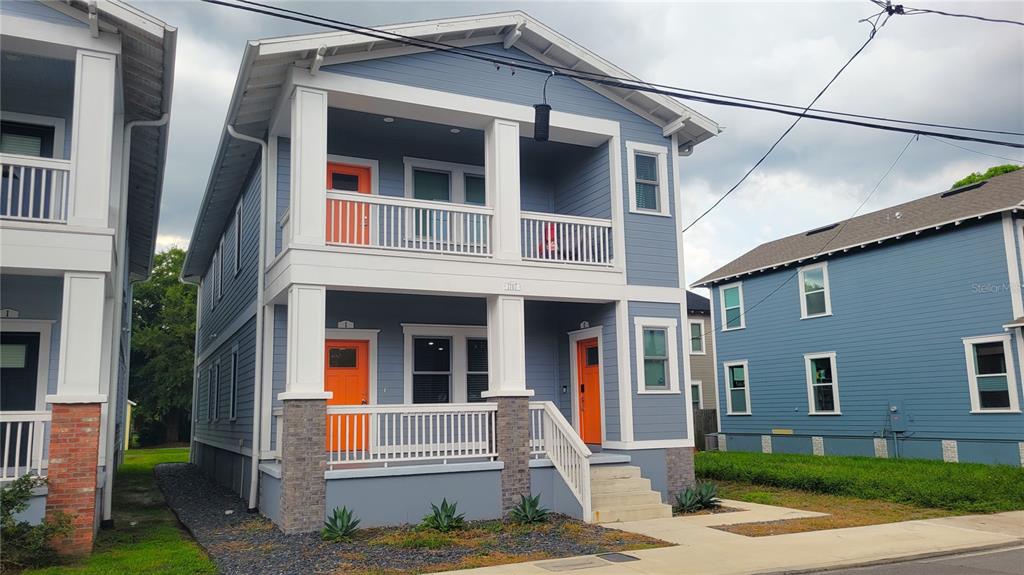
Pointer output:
x,y
625,371
728,391
574,338
670,325
238,236
52,121
811,409
289,395
402,470
649,444
721,303
267,389
690,338
458,335
457,177
972,376
373,165
803,296
368,335
77,398
699,384
661,154
718,399
233,385
44,328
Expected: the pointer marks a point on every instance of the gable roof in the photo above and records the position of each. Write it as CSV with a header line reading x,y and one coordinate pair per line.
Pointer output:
x,y
266,62
697,304
998,194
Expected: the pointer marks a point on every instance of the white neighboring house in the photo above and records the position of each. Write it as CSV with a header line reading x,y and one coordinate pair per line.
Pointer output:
x,y
85,91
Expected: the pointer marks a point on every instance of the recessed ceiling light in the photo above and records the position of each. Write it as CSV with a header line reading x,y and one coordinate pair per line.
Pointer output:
x,y
455,130
389,119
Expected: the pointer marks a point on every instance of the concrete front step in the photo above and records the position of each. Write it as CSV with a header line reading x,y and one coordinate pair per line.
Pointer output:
x,y
626,498
632,513
600,486
613,471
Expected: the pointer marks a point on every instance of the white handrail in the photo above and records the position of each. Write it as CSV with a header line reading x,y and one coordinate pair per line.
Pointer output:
x,y
34,189
386,434
566,239
552,435
384,222
22,443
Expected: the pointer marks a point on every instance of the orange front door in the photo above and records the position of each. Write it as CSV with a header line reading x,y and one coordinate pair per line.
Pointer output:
x,y
588,374
348,222
347,376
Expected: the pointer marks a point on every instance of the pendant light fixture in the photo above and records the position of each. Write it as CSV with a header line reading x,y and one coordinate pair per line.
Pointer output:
x,y
542,115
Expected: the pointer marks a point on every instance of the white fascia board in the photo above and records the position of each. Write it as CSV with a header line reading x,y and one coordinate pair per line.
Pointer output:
x,y
56,248
40,31
134,17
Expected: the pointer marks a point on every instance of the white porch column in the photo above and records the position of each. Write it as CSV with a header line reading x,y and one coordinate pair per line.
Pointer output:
x,y
92,135
501,165
305,350
80,367
307,208
506,347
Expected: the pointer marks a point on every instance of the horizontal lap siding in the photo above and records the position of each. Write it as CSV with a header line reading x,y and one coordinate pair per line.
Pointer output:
x,y
283,187
900,312
222,432
650,240
657,416
702,367
586,190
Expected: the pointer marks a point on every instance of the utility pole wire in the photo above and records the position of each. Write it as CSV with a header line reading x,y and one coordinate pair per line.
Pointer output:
x,y
871,36
941,141
901,10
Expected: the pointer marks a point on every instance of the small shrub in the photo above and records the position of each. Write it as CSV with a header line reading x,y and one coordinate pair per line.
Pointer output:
x,y
707,494
444,518
528,510
341,525
687,501
26,545
702,496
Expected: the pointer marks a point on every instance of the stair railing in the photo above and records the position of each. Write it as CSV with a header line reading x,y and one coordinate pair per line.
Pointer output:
x,y
552,435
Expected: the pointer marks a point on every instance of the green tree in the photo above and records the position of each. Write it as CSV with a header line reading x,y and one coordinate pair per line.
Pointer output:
x,y
163,337
992,172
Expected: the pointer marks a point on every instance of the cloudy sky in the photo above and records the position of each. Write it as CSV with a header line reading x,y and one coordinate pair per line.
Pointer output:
x,y
923,68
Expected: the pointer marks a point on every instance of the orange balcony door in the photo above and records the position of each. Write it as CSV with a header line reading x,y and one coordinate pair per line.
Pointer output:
x,y
588,375
348,222
347,376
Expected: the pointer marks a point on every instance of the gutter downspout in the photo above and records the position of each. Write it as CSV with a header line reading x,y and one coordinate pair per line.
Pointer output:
x,y
122,243
257,408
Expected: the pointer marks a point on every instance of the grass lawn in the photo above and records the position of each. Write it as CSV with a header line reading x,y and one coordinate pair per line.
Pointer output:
x,y
955,487
146,537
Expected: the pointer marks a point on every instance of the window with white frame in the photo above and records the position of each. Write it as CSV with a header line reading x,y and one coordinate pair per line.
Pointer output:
x,y
26,139
238,237
992,382
648,178
696,327
815,300
233,390
211,393
445,363
220,268
697,394
444,181
432,370
656,355
476,369
737,384
731,298
822,383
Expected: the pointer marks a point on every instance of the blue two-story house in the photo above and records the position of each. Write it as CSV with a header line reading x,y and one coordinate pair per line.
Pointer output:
x,y
892,334
409,294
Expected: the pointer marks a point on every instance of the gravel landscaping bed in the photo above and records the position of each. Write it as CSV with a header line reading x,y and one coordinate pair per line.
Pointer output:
x,y
245,544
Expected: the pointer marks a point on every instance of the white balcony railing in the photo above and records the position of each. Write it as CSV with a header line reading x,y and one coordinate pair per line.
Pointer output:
x,y
553,436
22,443
34,189
364,220
566,239
385,434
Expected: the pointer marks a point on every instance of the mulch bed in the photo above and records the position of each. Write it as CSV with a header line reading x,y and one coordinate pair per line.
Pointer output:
x,y
245,544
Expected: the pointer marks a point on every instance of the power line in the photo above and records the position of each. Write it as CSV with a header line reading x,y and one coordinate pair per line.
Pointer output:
x,y
902,10
871,36
822,249
546,69
941,141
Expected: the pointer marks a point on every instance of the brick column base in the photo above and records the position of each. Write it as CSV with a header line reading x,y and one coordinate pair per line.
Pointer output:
x,y
303,462
679,461
512,435
73,457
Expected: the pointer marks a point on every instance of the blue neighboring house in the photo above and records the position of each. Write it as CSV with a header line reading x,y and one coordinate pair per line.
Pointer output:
x,y
407,295
901,339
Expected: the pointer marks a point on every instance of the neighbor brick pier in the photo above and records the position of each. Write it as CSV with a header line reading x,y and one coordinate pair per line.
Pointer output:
x,y
680,469
73,458
512,435
303,462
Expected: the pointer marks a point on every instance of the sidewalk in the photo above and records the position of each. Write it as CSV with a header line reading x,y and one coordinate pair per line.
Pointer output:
x,y
700,549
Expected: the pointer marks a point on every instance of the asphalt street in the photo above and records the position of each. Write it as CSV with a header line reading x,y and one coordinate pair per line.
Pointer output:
x,y
995,562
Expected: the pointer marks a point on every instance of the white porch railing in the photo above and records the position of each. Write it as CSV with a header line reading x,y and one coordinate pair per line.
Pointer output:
x,y
553,436
566,239
365,220
385,434
34,189
22,443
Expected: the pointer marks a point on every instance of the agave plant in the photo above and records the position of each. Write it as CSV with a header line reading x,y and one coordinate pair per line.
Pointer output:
x,y
340,526
444,518
687,501
707,494
528,510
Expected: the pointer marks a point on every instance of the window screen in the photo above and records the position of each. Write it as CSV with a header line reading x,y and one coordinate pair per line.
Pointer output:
x,y
655,359
646,182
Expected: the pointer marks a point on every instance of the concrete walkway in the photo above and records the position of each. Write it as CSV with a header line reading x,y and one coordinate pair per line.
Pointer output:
x,y
701,549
